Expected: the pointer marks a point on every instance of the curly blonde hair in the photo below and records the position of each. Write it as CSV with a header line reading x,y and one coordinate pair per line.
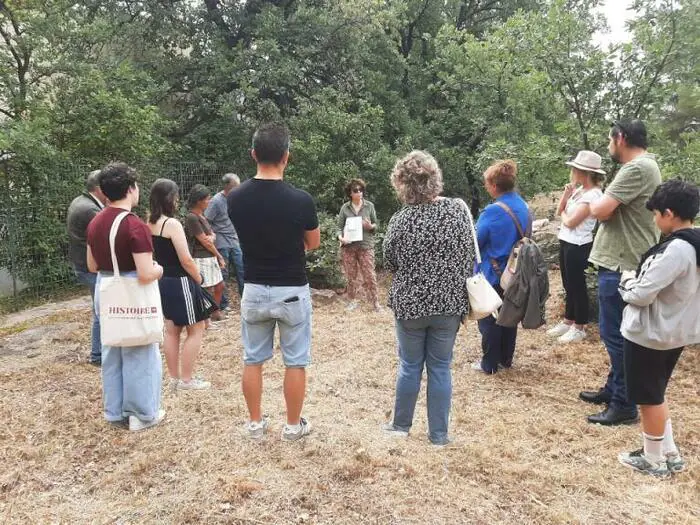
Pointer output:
x,y
417,178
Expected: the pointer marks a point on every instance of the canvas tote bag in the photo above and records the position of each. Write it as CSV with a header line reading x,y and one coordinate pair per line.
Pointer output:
x,y
131,313
483,299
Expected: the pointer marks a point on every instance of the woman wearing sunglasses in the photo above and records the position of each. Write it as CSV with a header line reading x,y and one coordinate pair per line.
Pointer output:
x,y
357,222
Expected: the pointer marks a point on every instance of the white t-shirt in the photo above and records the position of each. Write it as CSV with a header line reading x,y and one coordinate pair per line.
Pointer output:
x,y
583,233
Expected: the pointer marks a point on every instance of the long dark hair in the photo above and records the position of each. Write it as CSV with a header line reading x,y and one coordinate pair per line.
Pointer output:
x,y
164,192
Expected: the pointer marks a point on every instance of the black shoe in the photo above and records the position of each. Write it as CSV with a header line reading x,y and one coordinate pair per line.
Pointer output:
x,y
98,364
597,398
612,416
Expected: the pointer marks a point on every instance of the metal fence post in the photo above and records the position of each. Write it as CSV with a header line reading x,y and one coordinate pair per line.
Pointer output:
x,y
12,244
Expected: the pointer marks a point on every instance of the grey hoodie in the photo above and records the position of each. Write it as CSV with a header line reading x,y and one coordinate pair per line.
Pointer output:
x,y
664,297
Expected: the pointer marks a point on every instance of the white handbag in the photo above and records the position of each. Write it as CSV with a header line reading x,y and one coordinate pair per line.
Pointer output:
x,y
131,313
483,299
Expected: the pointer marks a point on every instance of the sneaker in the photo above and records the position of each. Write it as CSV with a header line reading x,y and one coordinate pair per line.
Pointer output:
x,y
390,430
675,462
574,335
352,305
296,435
638,461
442,444
256,429
559,330
137,425
194,384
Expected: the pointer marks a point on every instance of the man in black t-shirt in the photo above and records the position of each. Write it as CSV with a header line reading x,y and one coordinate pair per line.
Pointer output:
x,y
276,223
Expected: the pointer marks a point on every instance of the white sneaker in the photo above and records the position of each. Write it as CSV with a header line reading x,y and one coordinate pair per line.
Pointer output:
x,y
390,430
137,425
194,384
256,429
559,330
289,434
574,335
352,305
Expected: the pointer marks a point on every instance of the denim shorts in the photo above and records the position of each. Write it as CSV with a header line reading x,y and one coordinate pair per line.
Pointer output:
x,y
287,307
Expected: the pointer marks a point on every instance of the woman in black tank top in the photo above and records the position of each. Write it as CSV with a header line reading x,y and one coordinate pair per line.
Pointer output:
x,y
185,303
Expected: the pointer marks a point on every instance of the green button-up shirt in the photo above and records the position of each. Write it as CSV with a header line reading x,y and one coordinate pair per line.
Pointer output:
x,y
366,212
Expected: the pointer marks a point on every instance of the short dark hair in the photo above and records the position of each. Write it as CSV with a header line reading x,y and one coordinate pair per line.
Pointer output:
x,y
270,143
197,193
632,130
502,174
116,179
679,196
354,183
162,199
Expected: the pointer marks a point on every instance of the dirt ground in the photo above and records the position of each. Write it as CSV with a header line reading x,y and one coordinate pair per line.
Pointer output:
x,y
523,451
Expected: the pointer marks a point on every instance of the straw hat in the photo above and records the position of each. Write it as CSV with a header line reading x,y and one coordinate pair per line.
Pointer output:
x,y
587,161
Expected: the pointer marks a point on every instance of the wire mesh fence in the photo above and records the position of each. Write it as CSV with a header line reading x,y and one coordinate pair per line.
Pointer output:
x,y
34,265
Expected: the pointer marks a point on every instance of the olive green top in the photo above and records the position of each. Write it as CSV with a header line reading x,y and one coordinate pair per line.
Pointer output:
x,y
366,212
630,232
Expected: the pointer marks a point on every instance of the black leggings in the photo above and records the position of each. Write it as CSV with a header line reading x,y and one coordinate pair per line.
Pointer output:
x,y
573,261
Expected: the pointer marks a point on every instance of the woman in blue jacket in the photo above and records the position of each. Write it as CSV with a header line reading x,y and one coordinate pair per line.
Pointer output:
x,y
497,234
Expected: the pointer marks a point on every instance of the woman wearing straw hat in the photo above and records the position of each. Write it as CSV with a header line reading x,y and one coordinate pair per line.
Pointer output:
x,y
575,242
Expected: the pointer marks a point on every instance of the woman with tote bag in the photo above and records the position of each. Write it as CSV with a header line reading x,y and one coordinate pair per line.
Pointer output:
x,y
429,249
131,368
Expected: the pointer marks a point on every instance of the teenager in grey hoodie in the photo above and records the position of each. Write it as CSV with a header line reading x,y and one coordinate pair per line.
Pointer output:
x,y
661,317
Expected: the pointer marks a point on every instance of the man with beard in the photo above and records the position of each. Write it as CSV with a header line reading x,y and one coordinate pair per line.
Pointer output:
x,y
626,232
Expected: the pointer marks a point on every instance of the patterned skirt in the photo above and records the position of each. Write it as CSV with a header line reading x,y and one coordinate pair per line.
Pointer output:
x,y
184,301
209,268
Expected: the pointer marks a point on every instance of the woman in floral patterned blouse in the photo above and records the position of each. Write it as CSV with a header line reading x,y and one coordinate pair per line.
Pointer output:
x,y
430,251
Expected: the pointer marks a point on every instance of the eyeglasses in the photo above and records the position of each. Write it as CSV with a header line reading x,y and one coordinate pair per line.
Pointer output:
x,y
357,190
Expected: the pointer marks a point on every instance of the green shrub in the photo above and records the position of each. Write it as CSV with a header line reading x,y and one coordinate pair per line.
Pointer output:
x,y
323,264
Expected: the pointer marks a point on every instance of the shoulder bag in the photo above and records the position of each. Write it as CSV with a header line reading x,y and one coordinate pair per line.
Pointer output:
x,y
483,298
131,313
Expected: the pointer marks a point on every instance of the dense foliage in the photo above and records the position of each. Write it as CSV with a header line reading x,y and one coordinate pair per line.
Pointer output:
x,y
358,81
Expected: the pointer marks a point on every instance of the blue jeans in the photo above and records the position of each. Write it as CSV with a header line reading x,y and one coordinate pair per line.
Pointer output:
x,y
286,307
89,279
426,341
232,256
611,305
131,378
131,382
497,344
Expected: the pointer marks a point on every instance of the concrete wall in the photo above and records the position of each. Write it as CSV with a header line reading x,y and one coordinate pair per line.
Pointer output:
x,y
6,283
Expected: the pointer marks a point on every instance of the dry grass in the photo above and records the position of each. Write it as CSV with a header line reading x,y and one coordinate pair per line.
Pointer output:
x,y
523,453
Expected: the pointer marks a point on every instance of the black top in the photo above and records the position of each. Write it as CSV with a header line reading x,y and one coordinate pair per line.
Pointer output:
x,y
271,217
165,254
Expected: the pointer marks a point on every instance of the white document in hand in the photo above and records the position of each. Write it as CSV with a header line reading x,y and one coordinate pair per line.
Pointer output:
x,y
353,229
